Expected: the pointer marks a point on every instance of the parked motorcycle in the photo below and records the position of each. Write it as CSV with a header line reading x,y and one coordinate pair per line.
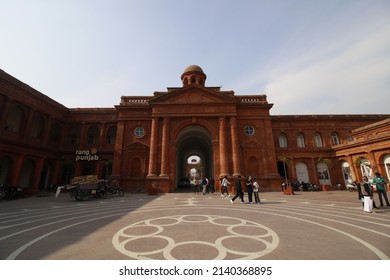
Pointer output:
x,y
115,190
2,191
10,192
86,191
313,187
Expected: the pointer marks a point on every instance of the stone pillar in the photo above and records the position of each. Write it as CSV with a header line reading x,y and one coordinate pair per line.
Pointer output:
x,y
314,172
165,148
117,161
223,147
37,175
102,136
16,171
235,148
153,149
83,137
353,169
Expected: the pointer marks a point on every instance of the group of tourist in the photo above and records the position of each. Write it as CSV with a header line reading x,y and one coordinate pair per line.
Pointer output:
x,y
366,192
252,189
365,189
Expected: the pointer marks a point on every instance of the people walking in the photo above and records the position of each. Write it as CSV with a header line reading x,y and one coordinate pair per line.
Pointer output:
x,y
380,183
212,185
249,189
239,192
196,186
256,188
225,186
205,183
366,195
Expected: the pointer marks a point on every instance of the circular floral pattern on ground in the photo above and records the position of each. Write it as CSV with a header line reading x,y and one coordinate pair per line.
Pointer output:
x,y
189,236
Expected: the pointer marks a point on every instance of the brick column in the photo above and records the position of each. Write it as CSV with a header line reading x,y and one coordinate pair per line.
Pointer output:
x,y
16,170
83,136
165,148
314,172
117,161
37,175
102,136
353,169
223,147
235,148
153,148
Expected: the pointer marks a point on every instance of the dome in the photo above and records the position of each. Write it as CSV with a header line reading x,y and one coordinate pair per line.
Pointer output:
x,y
193,68
193,74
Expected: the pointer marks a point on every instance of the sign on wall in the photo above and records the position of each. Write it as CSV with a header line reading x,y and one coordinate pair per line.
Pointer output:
x,y
87,155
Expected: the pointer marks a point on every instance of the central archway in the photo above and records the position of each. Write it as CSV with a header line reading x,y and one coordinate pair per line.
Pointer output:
x,y
193,141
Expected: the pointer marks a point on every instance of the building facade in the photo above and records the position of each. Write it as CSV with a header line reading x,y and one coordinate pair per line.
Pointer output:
x,y
151,141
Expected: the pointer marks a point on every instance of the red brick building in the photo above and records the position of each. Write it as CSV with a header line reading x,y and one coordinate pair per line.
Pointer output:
x,y
147,141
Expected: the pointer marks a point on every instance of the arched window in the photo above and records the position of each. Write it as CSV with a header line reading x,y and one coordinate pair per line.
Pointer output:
x,y
323,173
36,130
300,140
387,165
347,172
335,139
27,174
55,132
282,140
14,119
302,172
74,135
93,135
318,140
366,168
111,135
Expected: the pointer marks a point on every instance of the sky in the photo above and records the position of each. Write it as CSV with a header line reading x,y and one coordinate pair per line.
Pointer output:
x,y
308,57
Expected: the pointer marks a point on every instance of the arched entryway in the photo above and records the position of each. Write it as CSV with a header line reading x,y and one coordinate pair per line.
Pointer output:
x,y
193,151
302,172
5,169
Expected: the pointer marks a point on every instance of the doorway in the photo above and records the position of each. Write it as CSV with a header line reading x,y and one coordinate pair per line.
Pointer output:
x,y
194,158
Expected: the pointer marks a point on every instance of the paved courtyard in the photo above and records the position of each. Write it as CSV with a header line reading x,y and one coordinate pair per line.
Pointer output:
x,y
306,226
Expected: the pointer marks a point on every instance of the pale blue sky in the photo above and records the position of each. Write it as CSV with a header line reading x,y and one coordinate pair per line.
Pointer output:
x,y
308,57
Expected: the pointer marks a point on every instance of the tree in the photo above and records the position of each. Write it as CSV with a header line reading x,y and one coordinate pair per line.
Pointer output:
x,y
361,160
286,161
325,161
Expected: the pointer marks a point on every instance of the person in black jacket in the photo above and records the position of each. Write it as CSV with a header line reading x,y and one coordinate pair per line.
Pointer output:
x,y
239,192
365,189
249,189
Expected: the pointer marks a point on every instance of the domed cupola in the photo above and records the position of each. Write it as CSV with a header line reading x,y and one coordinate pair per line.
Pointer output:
x,y
193,74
